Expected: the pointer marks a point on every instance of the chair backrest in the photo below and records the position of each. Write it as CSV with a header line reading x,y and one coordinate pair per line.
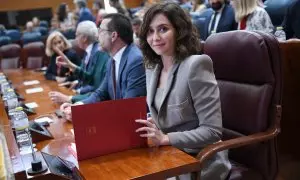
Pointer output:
x,y
5,40
42,30
44,24
248,69
70,34
15,35
34,54
10,56
31,37
80,52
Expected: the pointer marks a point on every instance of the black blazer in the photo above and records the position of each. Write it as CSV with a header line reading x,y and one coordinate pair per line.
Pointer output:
x,y
51,72
226,23
291,22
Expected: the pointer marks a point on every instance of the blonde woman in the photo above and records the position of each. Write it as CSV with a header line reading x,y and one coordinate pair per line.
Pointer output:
x,y
54,72
251,16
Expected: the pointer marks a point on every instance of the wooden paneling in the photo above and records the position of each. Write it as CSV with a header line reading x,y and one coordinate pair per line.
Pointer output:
x,y
15,5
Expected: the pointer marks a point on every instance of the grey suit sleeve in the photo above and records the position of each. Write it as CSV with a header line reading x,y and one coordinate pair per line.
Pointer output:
x,y
205,96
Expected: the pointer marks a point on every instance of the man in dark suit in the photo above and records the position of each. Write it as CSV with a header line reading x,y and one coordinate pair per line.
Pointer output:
x,y
125,76
84,13
218,18
291,22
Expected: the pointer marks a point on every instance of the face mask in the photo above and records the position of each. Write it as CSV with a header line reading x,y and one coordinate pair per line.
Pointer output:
x,y
216,6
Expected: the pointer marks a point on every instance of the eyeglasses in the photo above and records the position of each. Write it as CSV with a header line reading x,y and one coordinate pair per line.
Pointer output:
x,y
101,30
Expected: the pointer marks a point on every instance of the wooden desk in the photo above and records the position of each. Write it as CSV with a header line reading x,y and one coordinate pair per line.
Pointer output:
x,y
146,163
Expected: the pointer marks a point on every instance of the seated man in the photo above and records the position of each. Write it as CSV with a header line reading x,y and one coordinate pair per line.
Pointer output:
x,y
218,18
125,75
291,23
92,71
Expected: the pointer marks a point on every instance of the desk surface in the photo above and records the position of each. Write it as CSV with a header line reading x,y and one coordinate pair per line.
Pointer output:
x,y
145,163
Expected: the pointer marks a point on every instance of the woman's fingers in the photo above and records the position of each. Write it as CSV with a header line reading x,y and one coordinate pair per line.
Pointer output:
x,y
145,122
148,129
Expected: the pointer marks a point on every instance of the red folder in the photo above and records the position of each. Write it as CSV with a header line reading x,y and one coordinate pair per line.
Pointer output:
x,y
108,127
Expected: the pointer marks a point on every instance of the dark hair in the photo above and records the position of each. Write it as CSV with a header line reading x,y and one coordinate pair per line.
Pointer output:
x,y
62,12
121,24
81,4
187,38
136,21
100,4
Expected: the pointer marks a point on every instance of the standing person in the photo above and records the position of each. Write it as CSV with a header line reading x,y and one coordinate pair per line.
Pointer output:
x,y
250,16
64,17
291,23
84,13
182,91
54,72
125,75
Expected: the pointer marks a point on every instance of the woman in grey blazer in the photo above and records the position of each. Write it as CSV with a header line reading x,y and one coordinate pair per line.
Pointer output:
x,y
182,92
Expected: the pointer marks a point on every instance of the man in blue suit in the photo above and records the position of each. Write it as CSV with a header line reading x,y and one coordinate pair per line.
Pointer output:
x,y
125,76
218,18
84,12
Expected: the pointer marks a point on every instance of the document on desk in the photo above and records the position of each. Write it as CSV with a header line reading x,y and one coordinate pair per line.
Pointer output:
x,y
32,105
33,82
34,90
44,119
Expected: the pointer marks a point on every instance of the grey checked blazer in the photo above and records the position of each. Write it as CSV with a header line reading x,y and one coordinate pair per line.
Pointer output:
x,y
190,102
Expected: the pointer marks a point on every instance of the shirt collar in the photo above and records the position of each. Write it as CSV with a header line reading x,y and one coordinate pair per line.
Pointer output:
x,y
117,57
88,50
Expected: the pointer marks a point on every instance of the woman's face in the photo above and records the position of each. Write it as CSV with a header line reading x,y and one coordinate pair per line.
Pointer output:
x,y
59,43
161,36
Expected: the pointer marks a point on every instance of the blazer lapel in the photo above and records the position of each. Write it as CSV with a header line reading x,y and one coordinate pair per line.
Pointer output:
x,y
169,84
121,69
152,86
91,58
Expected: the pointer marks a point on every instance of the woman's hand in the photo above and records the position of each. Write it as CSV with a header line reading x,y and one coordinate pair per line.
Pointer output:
x,y
66,109
63,60
152,132
58,97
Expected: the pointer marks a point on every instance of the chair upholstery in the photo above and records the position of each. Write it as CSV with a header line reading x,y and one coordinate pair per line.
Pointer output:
x,y
248,70
34,54
80,52
44,24
10,56
70,34
5,40
15,35
31,37
42,30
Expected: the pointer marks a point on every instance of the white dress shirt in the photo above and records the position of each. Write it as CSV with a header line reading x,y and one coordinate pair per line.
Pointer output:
x,y
117,57
88,51
218,17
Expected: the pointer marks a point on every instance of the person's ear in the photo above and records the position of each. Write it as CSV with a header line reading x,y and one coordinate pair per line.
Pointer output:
x,y
114,36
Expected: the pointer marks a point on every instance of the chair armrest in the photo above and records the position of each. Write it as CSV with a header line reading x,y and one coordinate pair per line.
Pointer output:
x,y
271,133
